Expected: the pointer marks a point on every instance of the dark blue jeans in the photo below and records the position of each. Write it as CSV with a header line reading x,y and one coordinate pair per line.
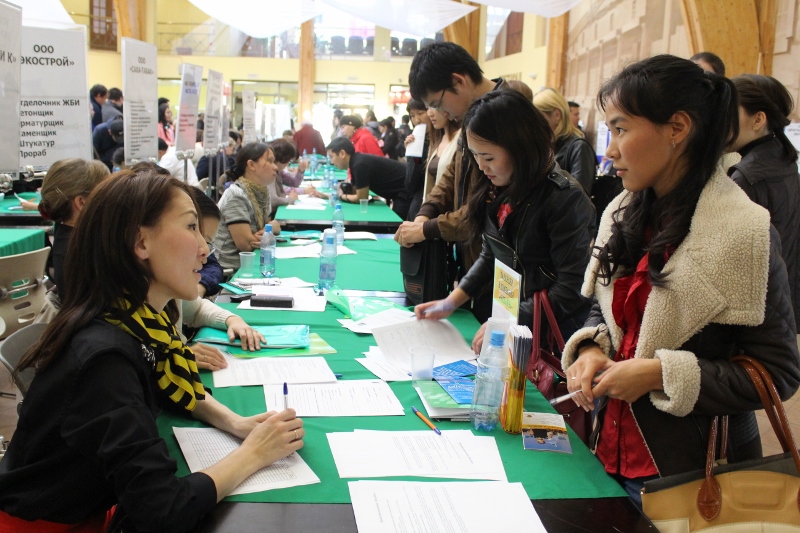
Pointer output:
x,y
633,486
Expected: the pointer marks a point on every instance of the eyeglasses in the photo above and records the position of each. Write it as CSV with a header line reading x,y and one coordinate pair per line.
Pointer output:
x,y
211,248
437,106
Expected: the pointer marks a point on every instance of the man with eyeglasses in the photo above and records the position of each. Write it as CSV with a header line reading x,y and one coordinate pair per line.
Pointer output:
x,y
445,77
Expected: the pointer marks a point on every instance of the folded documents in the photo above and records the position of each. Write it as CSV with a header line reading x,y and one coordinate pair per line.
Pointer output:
x,y
276,336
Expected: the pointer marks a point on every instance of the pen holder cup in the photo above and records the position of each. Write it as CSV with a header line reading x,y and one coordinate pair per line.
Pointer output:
x,y
513,403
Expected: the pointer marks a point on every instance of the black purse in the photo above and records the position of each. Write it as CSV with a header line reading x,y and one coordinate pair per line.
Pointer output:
x,y
425,271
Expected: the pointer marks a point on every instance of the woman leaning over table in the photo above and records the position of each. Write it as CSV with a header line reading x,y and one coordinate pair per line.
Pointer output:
x,y
245,205
86,451
686,275
530,214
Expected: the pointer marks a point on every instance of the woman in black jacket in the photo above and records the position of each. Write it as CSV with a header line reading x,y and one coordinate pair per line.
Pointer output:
x,y
531,215
686,275
768,169
573,152
391,144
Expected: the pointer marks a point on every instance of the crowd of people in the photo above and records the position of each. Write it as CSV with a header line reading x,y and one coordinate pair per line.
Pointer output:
x,y
692,264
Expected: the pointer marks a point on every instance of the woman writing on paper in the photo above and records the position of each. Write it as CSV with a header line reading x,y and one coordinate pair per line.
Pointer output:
x,y
686,274
531,215
245,205
105,366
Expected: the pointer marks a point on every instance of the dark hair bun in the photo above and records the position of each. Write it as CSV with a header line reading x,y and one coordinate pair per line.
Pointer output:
x,y
44,210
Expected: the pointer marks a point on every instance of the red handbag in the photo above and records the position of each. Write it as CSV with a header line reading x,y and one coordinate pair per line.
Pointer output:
x,y
544,368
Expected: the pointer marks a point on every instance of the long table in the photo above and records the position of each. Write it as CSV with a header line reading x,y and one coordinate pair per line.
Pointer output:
x,y
15,241
570,492
379,218
10,215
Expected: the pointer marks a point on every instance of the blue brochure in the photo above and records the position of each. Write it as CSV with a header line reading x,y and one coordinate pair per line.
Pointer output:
x,y
460,389
457,369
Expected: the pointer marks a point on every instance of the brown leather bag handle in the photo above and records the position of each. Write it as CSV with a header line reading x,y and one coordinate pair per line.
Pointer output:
x,y
709,497
542,302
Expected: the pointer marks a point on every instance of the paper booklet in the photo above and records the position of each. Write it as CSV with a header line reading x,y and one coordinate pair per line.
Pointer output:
x,y
545,432
276,336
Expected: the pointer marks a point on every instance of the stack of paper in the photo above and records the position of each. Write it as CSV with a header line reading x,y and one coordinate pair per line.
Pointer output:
x,y
269,370
356,397
359,236
308,250
420,507
292,282
204,447
453,454
438,404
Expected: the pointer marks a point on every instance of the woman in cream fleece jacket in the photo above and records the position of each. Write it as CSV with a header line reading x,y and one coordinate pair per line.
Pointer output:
x,y
686,275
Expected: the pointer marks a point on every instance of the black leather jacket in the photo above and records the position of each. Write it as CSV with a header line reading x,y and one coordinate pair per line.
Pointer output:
x,y
547,239
575,155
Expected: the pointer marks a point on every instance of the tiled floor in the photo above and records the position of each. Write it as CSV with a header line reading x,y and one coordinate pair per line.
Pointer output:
x,y
8,416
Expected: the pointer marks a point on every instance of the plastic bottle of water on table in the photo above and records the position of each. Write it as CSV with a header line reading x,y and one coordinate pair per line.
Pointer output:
x,y
338,224
489,384
327,260
268,245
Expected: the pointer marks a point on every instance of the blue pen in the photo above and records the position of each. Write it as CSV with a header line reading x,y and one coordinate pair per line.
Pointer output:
x,y
337,376
425,419
285,396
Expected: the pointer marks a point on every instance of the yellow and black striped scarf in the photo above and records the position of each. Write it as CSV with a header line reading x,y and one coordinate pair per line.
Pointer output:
x,y
175,366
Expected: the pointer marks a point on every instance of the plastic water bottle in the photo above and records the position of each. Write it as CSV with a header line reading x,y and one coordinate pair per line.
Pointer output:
x,y
338,224
268,252
489,383
327,260
305,155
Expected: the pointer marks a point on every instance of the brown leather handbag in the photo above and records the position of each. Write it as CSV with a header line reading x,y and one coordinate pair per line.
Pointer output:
x,y
544,368
757,495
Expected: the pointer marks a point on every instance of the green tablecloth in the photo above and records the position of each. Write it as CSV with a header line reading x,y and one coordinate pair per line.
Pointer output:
x,y
544,475
15,241
377,211
11,201
375,267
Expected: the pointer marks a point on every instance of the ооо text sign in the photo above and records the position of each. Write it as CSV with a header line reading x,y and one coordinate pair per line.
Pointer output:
x,y
10,24
140,112
54,120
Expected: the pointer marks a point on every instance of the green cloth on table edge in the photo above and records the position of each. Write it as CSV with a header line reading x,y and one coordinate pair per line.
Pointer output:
x,y
15,241
377,212
544,475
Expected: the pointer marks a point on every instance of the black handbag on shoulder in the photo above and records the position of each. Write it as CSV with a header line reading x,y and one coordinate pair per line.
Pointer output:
x,y
425,271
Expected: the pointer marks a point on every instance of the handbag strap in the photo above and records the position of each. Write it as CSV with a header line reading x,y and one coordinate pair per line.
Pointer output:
x,y
709,497
542,302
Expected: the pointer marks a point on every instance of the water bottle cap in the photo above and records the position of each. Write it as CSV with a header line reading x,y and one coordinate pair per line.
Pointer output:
x,y
497,338
268,228
338,207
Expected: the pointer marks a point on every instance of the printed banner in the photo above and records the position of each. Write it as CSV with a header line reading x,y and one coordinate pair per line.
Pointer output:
x,y
188,106
212,134
55,118
140,112
249,116
10,81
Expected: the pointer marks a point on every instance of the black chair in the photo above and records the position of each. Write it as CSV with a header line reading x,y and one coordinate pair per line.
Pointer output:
x,y
409,47
355,45
337,45
439,37
369,49
395,46
425,42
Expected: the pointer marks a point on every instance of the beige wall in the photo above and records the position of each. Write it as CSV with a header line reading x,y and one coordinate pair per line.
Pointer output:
x,y
529,65
606,35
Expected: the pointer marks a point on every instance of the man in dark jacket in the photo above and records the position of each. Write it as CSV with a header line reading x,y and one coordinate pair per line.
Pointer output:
x,y
106,139
113,106
444,76
385,177
98,95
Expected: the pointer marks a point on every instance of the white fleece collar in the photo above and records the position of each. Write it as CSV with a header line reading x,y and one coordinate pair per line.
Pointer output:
x,y
718,273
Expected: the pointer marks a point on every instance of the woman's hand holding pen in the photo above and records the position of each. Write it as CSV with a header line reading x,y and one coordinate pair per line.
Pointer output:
x,y
583,373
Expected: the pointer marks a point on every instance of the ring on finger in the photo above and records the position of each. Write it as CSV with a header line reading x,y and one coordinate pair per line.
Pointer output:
x,y
295,435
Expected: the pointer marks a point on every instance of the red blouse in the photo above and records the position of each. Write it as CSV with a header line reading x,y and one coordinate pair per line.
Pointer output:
x,y
621,447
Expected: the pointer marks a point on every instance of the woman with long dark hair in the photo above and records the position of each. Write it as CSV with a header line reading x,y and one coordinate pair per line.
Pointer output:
x,y
768,169
245,205
87,445
530,214
686,275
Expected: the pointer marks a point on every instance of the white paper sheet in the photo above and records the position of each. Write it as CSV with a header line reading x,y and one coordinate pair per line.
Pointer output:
x,y
384,369
460,454
292,282
383,318
414,149
271,370
305,205
361,397
203,447
305,299
308,250
394,341
306,199
359,236
421,507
